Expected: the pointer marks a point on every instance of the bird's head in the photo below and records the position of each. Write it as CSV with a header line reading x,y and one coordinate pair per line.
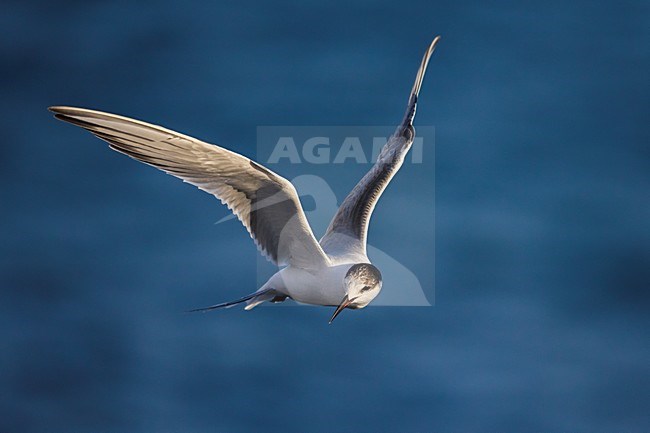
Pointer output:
x,y
362,284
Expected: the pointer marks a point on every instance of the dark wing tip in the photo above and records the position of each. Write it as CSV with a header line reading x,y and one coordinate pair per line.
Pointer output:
x,y
67,114
73,120
60,109
417,85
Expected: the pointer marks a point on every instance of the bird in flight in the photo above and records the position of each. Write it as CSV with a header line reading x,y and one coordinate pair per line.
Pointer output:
x,y
334,271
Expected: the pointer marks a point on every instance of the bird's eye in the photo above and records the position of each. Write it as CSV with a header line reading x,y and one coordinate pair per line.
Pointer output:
x,y
365,288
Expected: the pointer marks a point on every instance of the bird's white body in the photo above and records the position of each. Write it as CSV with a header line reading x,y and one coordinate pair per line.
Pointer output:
x,y
334,271
324,286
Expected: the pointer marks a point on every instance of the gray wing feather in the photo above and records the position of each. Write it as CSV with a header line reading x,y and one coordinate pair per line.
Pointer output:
x,y
348,231
266,203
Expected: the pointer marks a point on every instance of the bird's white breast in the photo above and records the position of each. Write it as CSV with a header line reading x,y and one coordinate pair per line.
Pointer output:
x,y
322,287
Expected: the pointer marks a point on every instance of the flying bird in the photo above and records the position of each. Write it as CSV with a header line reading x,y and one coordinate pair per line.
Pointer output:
x,y
334,271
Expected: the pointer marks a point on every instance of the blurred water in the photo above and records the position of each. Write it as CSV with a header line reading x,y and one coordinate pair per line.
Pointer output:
x,y
542,259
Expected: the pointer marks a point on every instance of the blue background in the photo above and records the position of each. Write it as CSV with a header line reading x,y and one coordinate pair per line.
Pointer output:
x,y
542,239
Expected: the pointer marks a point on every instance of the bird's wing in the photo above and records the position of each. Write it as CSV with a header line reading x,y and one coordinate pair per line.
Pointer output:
x,y
266,203
347,233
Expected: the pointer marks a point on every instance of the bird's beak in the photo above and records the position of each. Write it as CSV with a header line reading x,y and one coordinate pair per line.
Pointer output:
x,y
344,303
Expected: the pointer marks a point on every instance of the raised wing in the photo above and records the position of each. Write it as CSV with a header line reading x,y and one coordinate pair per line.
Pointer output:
x,y
347,233
267,204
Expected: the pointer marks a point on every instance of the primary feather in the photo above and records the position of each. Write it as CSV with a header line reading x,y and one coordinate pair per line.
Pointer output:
x,y
266,203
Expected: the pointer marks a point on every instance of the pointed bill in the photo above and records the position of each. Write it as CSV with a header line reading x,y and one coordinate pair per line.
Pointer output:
x,y
344,303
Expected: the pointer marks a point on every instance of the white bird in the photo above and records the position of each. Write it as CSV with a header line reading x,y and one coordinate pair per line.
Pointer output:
x,y
333,272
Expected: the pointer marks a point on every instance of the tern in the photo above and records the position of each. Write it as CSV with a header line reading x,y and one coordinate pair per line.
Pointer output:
x,y
334,271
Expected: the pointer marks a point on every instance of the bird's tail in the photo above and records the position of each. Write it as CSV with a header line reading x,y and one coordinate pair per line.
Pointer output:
x,y
252,300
